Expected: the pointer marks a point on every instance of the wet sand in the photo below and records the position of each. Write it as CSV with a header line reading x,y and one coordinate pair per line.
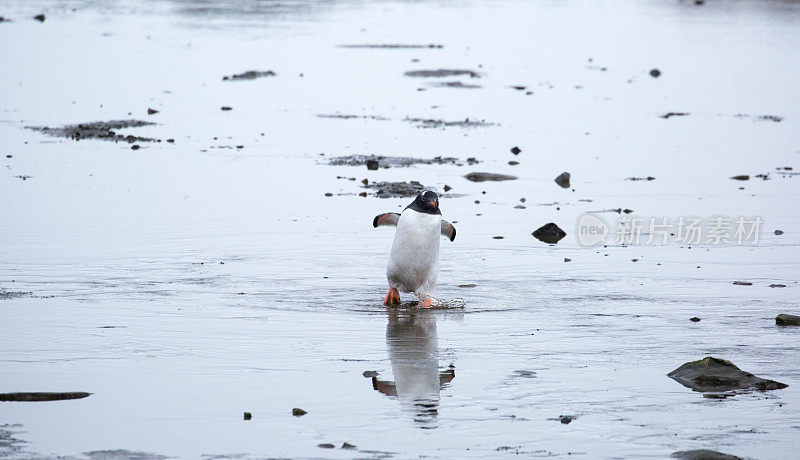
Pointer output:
x,y
232,267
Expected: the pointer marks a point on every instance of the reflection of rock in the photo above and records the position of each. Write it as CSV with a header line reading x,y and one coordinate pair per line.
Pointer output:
x,y
714,374
703,454
413,351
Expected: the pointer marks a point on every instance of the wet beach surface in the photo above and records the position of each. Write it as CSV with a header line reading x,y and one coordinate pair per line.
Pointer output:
x,y
205,251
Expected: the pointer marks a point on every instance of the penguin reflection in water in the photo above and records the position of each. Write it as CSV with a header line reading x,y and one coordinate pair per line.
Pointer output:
x,y
414,260
413,351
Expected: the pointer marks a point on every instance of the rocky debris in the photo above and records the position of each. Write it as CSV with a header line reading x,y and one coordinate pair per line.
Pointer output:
x,y
248,416
778,232
455,84
440,73
620,210
566,419
773,118
5,295
467,285
297,412
387,162
103,130
395,189
785,319
326,445
567,259
648,178
37,397
674,114
250,75
226,108
563,180
347,116
703,454
694,319
436,123
741,177
777,285
39,17
23,177
714,374
549,233
392,46
516,150
655,73
484,176
742,283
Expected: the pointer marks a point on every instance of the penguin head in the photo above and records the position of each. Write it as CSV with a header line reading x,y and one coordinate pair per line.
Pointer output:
x,y
428,202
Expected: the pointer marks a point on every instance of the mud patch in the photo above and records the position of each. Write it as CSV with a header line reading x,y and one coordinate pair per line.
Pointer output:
x,y
103,130
442,73
395,162
250,75
39,397
437,123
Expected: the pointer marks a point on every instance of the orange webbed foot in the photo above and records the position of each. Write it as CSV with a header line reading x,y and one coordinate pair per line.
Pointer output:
x,y
392,297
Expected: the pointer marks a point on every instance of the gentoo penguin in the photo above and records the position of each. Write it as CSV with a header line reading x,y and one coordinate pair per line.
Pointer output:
x,y
414,260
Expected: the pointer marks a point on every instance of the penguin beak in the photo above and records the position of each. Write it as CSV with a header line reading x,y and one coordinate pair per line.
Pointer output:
x,y
433,203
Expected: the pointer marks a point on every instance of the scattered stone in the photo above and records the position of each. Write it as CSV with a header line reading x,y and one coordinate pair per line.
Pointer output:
x,y
387,162
694,319
674,114
11,156
225,108
39,17
743,283
329,194
447,188
777,285
634,260
563,180
516,150
565,419
392,46
152,111
519,206
648,178
135,147
714,375
250,75
372,165
23,177
171,141
297,412
104,130
777,232
37,397
348,446
774,118
513,163
326,445
439,73
468,285
703,454
436,123
248,416
498,237
655,73
549,233
787,320
484,176
567,259
741,177
370,374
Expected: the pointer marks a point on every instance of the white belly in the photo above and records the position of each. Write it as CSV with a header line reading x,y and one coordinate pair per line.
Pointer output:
x,y
414,261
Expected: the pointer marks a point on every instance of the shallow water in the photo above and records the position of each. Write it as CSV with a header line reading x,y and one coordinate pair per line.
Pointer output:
x,y
184,284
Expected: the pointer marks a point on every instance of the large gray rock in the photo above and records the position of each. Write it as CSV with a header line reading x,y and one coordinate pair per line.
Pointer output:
x,y
715,374
787,320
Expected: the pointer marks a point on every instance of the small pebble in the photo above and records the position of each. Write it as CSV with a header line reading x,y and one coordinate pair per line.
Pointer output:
x,y
694,319
248,415
655,73
297,412
516,150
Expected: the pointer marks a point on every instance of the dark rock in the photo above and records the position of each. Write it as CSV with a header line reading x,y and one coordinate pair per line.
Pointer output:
x,y
549,233
516,150
348,446
567,259
37,397
694,319
326,445
468,285
741,177
297,412
152,111
674,114
777,232
10,156
171,141
484,176
447,188
703,454
250,75
655,73
743,283
135,147
565,419
634,260
513,163
370,374
713,375
248,415
498,237
39,17
225,108
372,165
329,194
563,180
777,285
439,73
787,320
648,178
